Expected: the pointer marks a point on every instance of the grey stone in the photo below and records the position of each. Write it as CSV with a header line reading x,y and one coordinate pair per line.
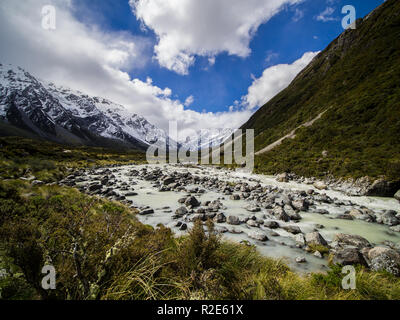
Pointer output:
x,y
315,238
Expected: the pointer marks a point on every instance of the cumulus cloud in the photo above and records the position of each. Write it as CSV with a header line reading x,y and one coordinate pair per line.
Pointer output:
x,y
96,62
274,80
186,28
85,57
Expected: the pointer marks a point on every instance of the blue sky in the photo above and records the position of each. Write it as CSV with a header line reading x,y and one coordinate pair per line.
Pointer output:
x,y
202,63
283,39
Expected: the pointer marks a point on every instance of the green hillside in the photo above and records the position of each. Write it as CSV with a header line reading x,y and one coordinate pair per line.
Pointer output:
x,y
357,80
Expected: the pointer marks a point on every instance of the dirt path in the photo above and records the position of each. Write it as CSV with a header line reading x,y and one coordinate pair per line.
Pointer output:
x,y
291,135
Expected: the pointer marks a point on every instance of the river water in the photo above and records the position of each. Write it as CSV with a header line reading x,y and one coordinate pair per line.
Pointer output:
x,y
281,246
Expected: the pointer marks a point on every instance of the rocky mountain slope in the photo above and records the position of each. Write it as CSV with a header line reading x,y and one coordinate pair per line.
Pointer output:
x,y
67,116
355,81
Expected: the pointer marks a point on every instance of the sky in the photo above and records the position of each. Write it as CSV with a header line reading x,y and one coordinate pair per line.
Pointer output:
x,y
202,63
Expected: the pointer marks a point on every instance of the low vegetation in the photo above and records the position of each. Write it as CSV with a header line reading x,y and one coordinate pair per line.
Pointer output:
x,y
101,251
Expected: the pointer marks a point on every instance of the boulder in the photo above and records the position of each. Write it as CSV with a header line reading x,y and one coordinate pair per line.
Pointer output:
x,y
280,214
386,259
292,229
356,214
252,223
257,235
320,185
168,180
283,177
181,211
301,205
397,195
220,218
95,187
300,239
382,188
315,238
388,218
192,202
235,197
293,215
146,212
253,209
351,240
318,254
348,256
271,224
233,220
301,260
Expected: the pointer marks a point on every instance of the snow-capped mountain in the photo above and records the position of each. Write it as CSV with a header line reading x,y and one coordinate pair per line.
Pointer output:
x,y
65,115
207,138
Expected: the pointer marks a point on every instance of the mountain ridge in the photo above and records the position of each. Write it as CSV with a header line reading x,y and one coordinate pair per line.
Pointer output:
x,y
65,115
356,79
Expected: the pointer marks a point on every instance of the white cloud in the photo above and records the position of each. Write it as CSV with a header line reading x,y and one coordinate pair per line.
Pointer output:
x,y
274,80
326,15
189,101
83,57
186,28
298,15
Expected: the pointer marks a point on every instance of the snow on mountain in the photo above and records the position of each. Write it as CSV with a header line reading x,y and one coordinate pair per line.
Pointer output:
x,y
63,114
206,138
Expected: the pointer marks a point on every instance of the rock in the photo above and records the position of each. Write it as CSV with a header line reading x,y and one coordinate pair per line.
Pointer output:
x,y
320,185
130,194
300,239
95,187
182,200
382,258
283,177
235,197
252,223
396,228
146,212
315,238
235,231
192,201
280,214
318,254
271,224
256,235
183,227
356,214
292,229
382,188
197,217
168,180
233,220
253,209
301,260
348,256
397,195
180,212
344,217
293,215
301,205
389,218
351,240
220,218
